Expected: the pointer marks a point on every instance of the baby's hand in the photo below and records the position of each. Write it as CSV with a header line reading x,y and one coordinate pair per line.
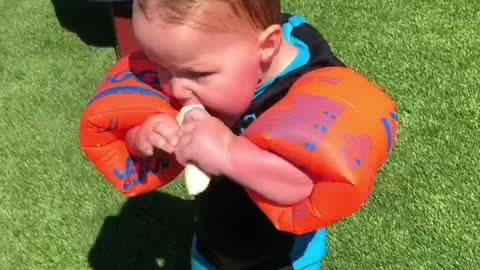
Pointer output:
x,y
204,141
158,132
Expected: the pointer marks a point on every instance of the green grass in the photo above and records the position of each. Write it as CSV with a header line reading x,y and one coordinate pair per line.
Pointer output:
x,y
57,212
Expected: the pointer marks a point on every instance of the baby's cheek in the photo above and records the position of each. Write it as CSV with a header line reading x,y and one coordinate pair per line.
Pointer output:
x,y
230,103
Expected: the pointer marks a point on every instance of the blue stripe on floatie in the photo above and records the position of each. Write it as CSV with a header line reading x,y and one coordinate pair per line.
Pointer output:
x,y
394,116
388,130
127,90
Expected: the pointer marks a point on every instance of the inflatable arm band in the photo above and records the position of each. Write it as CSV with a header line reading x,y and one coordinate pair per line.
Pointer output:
x,y
338,128
128,95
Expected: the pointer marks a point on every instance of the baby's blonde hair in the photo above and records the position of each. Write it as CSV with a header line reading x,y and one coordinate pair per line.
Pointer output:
x,y
259,13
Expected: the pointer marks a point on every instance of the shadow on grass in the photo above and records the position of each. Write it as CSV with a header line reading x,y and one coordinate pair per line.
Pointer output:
x,y
90,20
151,232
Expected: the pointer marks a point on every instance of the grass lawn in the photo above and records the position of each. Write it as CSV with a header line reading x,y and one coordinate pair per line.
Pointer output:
x,y
57,212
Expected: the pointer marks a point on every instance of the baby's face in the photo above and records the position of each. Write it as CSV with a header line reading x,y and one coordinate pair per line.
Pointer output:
x,y
220,70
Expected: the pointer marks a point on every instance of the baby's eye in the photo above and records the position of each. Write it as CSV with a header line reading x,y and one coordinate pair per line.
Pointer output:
x,y
198,74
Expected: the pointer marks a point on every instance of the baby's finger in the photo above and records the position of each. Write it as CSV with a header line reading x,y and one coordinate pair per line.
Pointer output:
x,y
182,152
195,114
186,129
184,140
145,148
159,142
167,131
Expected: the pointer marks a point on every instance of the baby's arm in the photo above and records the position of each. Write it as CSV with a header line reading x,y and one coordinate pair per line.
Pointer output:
x,y
267,174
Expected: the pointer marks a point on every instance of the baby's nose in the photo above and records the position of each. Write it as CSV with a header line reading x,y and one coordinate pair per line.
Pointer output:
x,y
179,90
182,93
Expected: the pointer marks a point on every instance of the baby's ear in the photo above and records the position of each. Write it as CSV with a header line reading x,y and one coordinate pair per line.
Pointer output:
x,y
269,42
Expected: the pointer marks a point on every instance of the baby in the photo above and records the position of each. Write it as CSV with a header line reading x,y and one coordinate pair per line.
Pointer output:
x,y
237,58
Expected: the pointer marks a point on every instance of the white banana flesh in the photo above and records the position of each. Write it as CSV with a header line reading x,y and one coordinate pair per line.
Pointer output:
x,y
196,181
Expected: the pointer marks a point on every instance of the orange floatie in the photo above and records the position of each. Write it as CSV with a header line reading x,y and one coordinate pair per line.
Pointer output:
x,y
128,95
338,127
